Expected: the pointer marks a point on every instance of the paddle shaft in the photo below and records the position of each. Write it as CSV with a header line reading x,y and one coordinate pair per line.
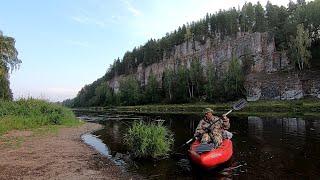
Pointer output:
x,y
190,140
228,112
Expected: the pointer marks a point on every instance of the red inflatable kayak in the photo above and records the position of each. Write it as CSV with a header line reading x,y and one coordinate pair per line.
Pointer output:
x,y
212,158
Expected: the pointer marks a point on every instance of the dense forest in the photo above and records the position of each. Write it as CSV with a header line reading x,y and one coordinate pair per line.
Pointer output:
x,y
295,28
8,62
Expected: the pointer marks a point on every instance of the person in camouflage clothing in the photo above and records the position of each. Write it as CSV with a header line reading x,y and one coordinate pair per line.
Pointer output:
x,y
212,129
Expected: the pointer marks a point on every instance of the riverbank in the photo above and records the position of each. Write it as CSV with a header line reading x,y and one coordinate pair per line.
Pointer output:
x,y
55,155
262,108
33,114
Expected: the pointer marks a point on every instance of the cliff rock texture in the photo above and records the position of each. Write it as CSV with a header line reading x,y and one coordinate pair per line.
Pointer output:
x,y
270,74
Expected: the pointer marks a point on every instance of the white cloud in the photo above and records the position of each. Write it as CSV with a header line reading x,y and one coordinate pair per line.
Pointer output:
x,y
132,9
84,19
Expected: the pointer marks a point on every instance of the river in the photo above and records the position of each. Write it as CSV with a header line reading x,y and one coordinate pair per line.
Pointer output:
x,y
264,147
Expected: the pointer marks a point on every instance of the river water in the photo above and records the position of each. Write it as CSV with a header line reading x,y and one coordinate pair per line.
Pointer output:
x,y
264,147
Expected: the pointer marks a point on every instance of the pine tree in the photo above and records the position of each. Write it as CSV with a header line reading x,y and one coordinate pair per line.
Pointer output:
x,y
260,22
152,93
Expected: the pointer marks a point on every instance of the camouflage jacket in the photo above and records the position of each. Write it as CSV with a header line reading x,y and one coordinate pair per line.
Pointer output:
x,y
214,126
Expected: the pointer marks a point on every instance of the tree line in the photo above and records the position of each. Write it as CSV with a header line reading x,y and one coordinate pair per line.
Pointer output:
x,y
183,85
295,29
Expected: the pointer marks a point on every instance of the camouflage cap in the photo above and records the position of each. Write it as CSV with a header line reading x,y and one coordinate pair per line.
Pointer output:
x,y
207,110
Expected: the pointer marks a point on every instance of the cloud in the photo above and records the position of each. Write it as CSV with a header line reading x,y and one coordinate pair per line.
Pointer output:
x,y
84,19
132,9
91,18
95,18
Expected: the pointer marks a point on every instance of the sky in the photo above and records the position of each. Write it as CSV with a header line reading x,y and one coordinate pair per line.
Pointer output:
x,y
66,44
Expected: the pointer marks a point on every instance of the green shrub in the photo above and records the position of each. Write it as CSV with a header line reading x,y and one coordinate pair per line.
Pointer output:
x,y
33,113
147,140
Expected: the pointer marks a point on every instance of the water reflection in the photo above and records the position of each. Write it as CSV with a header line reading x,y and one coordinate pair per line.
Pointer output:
x,y
255,127
265,148
96,143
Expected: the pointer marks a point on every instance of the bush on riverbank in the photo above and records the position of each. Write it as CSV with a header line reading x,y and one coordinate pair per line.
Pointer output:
x,y
147,140
33,113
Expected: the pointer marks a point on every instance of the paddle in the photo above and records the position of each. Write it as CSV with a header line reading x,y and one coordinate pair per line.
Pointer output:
x,y
237,106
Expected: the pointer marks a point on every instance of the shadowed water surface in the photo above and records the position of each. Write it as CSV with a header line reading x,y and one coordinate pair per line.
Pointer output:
x,y
264,148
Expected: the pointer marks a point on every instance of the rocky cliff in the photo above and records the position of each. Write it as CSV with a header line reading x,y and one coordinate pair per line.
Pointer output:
x,y
270,74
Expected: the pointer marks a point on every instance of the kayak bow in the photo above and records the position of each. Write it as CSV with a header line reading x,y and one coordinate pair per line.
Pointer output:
x,y
213,158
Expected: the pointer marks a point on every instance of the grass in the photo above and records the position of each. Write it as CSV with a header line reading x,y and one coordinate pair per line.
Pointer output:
x,y
33,114
295,107
147,140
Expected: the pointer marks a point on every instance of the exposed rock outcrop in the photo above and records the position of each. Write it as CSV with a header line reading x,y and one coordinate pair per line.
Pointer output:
x,y
266,77
283,85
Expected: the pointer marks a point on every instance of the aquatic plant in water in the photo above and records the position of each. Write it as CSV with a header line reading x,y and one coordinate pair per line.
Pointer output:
x,y
147,140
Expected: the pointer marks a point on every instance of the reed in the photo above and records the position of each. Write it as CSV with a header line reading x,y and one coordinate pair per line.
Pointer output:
x,y
147,140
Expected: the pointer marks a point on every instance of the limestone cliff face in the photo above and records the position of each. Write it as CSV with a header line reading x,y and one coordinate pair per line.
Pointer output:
x,y
283,85
260,47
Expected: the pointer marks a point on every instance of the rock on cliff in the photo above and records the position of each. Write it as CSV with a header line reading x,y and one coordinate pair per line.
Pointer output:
x,y
265,80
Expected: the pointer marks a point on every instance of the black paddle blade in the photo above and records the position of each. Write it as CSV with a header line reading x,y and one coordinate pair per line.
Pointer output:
x,y
240,104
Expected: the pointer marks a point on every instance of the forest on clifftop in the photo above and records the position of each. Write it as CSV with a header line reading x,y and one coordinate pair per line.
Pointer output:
x,y
295,29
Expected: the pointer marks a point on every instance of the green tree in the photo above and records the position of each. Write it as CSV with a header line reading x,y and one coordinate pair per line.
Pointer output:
x,y
248,17
313,18
260,22
278,24
168,83
212,85
152,92
188,36
8,52
101,94
196,77
5,91
181,91
8,61
129,90
234,80
232,25
299,47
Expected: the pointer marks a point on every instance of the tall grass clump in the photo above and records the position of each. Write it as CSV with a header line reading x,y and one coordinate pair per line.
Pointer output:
x,y
147,140
33,113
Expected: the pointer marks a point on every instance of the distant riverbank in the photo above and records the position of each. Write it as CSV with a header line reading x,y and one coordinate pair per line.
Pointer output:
x,y
34,114
264,108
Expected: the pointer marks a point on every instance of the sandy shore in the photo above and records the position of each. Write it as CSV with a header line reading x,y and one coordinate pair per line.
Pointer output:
x,y
56,156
